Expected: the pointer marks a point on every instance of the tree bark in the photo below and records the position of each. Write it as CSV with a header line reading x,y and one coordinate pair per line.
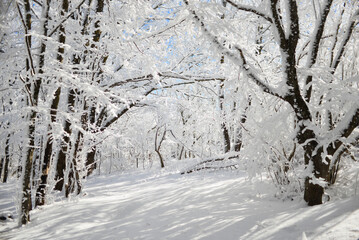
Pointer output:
x,y
27,165
90,160
2,161
61,157
40,192
62,161
7,159
225,132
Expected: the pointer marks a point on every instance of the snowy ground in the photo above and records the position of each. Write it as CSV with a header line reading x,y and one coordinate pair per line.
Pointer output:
x,y
172,206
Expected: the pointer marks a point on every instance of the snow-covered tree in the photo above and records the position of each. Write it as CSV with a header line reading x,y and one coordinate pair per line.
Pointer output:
x,y
307,54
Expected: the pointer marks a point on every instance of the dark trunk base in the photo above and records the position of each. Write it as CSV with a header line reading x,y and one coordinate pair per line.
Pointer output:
x,y
41,191
313,193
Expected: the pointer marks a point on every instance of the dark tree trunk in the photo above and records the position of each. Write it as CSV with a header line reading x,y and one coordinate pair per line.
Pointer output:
x,y
7,158
161,158
225,132
61,157
26,171
90,161
239,134
158,145
2,161
77,147
73,178
62,161
41,190
74,171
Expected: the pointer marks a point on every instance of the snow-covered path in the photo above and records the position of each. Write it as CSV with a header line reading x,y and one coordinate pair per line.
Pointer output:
x,y
170,206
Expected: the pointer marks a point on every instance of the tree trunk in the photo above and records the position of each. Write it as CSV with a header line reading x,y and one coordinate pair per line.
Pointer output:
x,y
61,157
77,149
7,159
225,132
158,146
314,154
313,189
26,187
239,131
26,171
41,190
90,161
2,161
73,178
62,161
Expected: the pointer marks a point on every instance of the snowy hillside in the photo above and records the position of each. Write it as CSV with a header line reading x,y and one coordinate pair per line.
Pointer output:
x,y
172,206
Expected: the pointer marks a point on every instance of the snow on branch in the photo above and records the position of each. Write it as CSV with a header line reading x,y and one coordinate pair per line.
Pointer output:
x,y
241,61
189,77
124,110
343,130
206,164
65,18
315,43
132,80
192,80
348,33
250,9
170,26
348,124
254,77
28,44
278,25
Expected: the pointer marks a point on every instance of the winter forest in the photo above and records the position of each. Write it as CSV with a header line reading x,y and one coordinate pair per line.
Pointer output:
x,y
105,92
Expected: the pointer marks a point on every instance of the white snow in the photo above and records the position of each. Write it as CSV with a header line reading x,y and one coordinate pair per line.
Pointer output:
x,y
164,205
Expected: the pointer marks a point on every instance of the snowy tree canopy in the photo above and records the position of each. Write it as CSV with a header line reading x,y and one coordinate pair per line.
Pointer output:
x,y
100,86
